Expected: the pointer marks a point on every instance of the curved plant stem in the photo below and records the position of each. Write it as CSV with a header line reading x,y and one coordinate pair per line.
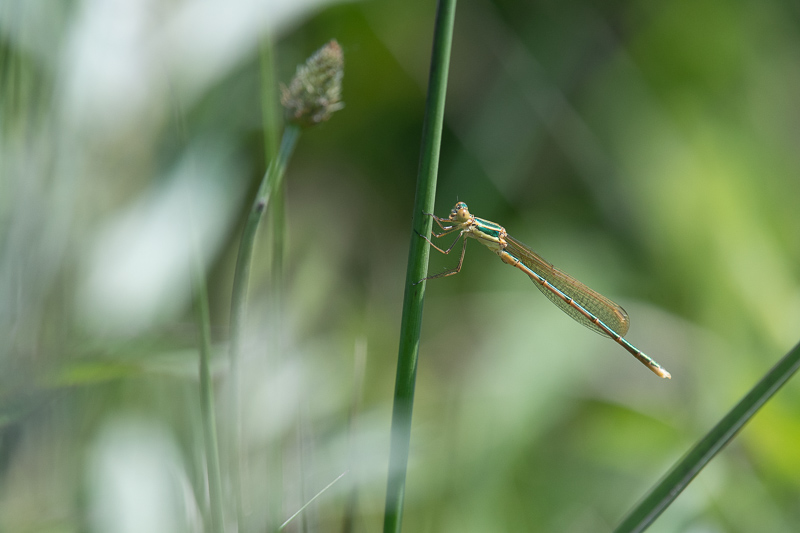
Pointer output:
x,y
207,402
270,119
417,267
270,116
269,184
687,468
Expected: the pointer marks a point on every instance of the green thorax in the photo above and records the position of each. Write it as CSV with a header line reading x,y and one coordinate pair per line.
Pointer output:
x,y
489,234
488,228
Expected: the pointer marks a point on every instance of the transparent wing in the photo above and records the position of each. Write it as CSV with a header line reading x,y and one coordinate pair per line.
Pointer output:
x,y
613,315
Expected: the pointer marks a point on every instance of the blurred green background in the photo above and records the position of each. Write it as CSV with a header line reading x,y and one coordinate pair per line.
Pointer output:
x,y
648,149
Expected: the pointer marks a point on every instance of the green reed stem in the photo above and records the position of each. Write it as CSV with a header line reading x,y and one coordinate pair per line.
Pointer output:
x,y
663,494
270,123
269,184
417,267
207,402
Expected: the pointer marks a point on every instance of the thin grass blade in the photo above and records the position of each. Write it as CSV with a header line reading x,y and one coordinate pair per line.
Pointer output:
x,y
662,495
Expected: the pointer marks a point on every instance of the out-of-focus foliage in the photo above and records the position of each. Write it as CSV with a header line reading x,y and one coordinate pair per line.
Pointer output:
x,y
649,149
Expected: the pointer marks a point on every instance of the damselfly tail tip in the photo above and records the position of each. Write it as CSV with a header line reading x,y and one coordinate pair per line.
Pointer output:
x,y
660,372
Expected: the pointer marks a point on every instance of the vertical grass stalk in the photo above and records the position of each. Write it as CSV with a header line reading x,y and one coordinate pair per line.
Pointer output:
x,y
359,370
207,401
270,117
417,267
270,123
269,184
311,98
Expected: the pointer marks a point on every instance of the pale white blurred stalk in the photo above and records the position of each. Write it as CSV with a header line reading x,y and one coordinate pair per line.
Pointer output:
x,y
311,98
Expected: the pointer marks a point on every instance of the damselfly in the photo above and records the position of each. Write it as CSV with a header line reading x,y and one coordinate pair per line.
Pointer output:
x,y
586,306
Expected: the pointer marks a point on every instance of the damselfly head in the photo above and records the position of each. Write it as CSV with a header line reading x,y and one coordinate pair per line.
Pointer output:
x,y
460,213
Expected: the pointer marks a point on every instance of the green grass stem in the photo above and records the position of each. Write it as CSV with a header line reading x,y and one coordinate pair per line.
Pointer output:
x,y
270,122
359,370
270,118
270,114
662,495
207,403
411,323
269,184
